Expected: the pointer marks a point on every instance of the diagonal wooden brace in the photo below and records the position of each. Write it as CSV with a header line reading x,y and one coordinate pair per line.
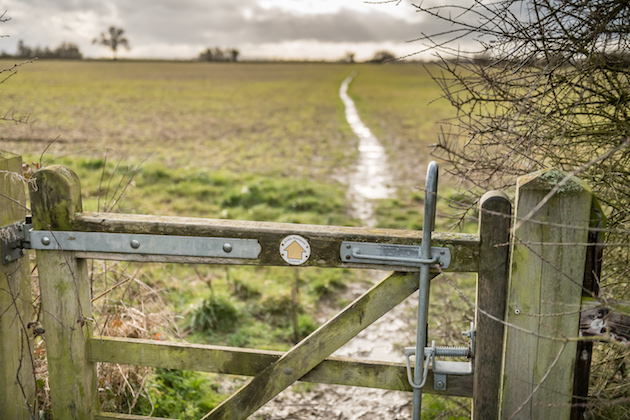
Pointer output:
x,y
311,351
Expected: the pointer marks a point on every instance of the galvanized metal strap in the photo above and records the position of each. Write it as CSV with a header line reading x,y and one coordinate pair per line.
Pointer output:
x,y
17,237
127,243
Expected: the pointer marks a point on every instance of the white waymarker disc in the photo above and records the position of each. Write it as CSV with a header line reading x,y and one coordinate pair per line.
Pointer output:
x,y
295,249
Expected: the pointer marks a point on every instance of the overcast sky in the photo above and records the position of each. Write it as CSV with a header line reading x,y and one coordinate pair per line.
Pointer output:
x,y
181,29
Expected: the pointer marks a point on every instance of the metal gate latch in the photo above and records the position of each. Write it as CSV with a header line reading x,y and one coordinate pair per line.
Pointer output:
x,y
393,254
442,368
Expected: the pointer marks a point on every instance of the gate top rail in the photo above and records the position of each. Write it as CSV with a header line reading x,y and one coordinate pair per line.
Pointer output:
x,y
324,241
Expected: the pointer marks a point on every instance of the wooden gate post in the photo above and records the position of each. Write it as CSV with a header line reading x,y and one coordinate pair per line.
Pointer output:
x,y
495,220
544,295
17,383
65,298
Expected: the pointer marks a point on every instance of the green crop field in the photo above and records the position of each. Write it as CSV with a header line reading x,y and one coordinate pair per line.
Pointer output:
x,y
256,141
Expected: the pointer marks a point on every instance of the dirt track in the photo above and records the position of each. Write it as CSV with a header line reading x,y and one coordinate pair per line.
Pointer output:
x,y
383,341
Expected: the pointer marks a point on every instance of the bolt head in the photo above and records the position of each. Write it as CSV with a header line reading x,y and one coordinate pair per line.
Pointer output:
x,y
227,248
135,244
7,258
439,385
45,240
288,371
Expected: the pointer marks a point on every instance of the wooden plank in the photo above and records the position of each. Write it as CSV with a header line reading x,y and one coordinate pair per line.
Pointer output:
x,y
65,299
495,212
311,351
17,382
545,289
325,241
249,362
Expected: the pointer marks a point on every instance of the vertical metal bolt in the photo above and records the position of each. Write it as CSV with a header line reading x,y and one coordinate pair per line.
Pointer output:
x,y
227,248
439,385
46,240
135,244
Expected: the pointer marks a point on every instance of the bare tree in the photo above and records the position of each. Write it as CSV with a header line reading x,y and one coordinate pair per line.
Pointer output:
x,y
545,83
112,39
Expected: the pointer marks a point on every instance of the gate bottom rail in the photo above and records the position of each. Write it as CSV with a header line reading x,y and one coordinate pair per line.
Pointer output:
x,y
250,362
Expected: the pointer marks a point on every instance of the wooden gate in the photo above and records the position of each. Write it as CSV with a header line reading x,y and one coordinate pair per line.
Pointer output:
x,y
523,361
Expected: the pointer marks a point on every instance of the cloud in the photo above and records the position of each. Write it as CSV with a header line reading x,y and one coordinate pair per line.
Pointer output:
x,y
192,24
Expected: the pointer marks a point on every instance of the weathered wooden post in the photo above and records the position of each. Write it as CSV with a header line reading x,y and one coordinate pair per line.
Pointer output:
x,y
65,298
495,220
17,383
544,295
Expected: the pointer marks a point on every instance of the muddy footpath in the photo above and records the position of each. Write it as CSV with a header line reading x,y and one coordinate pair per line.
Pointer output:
x,y
383,340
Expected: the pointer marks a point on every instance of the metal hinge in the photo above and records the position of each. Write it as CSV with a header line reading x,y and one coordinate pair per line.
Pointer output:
x,y
20,236
393,254
14,240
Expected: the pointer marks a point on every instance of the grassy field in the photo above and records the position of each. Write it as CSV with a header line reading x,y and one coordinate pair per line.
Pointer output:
x,y
265,141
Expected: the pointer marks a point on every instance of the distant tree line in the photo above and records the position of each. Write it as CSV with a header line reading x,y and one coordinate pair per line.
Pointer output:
x,y
219,54
66,50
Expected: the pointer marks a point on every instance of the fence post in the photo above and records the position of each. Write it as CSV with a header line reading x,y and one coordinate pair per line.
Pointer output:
x,y
17,382
544,295
495,218
65,298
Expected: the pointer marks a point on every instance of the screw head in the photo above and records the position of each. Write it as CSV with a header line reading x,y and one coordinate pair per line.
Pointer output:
x,y
7,258
227,248
135,244
288,371
517,311
439,385
45,240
